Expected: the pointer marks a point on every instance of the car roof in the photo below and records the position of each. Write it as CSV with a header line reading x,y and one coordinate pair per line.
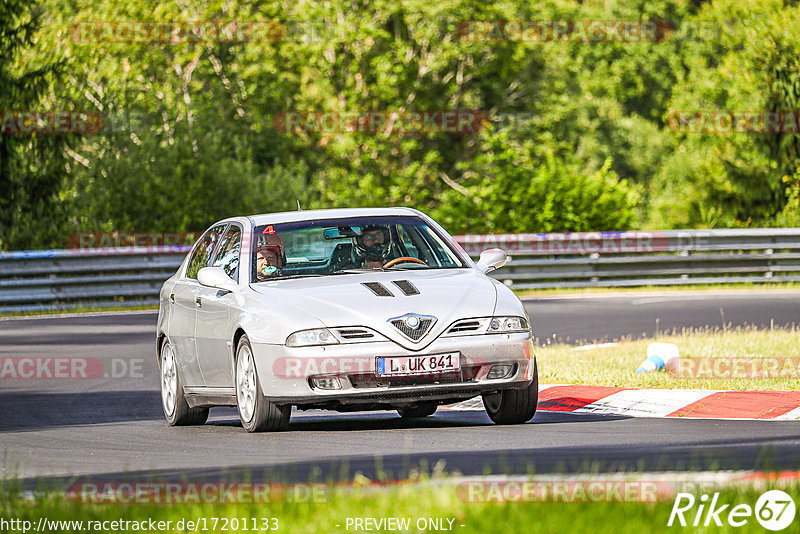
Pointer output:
x,y
307,215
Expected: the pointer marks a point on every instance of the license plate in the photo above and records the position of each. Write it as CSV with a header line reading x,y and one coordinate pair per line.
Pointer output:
x,y
418,365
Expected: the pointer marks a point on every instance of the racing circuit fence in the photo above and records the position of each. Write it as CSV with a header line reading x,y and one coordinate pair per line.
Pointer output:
x,y
132,276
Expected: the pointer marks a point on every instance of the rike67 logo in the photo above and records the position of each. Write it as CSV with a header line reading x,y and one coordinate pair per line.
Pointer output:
x,y
774,510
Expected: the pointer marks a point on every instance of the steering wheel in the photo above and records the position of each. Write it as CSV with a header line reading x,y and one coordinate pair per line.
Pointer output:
x,y
403,259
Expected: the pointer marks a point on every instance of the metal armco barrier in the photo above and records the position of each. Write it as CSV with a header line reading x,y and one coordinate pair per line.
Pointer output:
x,y
636,258
128,276
98,278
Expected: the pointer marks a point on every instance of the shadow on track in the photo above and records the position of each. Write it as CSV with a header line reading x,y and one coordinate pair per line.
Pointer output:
x,y
321,421
746,453
37,411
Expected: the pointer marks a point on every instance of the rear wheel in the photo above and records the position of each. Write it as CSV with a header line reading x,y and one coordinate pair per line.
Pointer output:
x,y
422,409
513,406
256,412
176,409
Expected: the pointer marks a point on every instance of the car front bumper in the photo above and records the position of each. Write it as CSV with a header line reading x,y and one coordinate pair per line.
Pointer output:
x,y
285,373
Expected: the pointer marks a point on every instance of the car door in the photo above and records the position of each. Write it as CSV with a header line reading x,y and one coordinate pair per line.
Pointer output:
x,y
212,330
183,299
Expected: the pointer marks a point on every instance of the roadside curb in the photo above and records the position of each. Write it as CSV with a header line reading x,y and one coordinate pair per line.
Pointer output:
x,y
685,403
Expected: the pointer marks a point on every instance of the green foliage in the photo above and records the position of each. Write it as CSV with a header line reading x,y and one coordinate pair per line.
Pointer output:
x,y
749,64
790,216
577,135
518,187
31,166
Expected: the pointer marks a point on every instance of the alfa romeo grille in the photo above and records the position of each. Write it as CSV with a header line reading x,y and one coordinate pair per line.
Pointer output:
x,y
413,333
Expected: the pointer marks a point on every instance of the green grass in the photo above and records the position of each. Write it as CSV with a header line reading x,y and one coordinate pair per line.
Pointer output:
x,y
406,501
615,365
682,288
88,308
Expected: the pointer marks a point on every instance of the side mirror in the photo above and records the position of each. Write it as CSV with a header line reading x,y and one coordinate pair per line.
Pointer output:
x,y
216,277
492,259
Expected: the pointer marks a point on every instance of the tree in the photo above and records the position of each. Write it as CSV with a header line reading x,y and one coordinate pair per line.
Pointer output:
x,y
32,166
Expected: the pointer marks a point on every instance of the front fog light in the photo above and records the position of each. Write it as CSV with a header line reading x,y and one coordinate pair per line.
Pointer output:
x,y
306,338
326,382
499,371
508,324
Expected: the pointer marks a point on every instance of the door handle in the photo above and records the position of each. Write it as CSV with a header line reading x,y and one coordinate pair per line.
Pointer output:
x,y
198,302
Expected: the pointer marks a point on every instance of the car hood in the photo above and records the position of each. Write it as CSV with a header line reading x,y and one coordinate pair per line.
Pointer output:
x,y
344,300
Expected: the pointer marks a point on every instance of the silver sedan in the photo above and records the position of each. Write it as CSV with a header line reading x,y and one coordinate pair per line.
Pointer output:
x,y
347,310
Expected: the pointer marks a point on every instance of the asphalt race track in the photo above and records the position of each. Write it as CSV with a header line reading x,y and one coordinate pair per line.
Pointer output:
x,y
610,317
111,427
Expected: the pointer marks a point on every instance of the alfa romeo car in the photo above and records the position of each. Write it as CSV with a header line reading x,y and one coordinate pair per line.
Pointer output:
x,y
346,310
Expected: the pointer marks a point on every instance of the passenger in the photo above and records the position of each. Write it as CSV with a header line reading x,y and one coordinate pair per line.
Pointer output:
x,y
270,257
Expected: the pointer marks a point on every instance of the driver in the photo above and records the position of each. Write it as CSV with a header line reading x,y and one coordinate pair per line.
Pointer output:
x,y
373,246
270,256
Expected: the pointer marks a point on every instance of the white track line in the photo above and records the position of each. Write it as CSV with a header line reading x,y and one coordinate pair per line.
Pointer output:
x,y
790,416
595,346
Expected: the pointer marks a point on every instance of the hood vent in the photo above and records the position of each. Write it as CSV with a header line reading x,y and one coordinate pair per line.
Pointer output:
x,y
406,287
377,288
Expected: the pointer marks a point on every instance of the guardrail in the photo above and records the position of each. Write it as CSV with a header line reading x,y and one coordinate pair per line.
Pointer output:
x,y
95,278
63,279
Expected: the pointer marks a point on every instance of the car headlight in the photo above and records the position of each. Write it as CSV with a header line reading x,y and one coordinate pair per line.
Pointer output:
x,y
507,325
307,338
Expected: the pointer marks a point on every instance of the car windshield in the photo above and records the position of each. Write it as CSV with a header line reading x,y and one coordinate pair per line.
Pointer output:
x,y
329,247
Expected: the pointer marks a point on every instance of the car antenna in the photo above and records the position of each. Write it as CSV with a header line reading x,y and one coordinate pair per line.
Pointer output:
x,y
298,205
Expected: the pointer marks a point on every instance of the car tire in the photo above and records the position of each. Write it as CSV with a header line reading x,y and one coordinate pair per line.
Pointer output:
x,y
173,400
421,409
513,406
256,413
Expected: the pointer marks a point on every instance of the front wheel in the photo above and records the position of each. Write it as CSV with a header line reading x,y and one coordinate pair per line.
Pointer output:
x,y
176,409
513,406
256,413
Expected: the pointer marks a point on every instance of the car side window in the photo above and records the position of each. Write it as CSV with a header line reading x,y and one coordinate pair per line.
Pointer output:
x,y
201,255
227,255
